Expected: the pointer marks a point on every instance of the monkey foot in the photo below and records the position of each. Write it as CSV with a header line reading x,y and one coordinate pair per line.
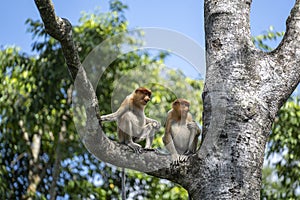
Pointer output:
x,y
135,147
188,153
179,159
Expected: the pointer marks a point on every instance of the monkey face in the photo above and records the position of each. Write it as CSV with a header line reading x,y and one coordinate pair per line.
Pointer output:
x,y
182,107
143,95
144,98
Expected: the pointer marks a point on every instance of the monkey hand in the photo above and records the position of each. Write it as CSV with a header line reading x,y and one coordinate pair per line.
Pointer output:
x,y
110,117
155,124
188,152
192,125
183,158
102,118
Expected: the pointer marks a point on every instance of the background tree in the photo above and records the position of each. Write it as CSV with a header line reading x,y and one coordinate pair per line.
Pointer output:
x,y
281,176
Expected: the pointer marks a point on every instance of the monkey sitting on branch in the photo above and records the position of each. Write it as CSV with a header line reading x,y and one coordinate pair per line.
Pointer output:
x,y
181,132
133,125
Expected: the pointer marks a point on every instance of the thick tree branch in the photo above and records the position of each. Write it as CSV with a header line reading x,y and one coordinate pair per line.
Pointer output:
x,y
58,159
279,70
91,132
60,29
288,54
34,175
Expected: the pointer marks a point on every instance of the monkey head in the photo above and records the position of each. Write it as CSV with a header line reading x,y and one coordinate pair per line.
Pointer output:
x,y
181,107
141,96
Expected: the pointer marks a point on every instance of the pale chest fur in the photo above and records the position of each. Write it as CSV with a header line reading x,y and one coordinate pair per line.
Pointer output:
x,y
137,122
180,135
138,118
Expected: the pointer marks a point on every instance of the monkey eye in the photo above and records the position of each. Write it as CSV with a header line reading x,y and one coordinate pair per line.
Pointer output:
x,y
147,94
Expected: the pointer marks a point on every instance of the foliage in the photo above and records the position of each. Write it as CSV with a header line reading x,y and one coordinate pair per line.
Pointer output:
x,y
262,41
284,152
41,153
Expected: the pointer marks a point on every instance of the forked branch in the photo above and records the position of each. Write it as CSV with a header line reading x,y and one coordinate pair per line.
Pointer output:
x,y
91,133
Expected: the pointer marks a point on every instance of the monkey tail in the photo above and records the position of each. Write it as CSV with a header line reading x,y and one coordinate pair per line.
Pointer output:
x,y
189,196
123,179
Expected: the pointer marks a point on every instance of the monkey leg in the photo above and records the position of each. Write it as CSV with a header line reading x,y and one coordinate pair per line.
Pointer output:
x,y
126,139
148,131
134,146
193,139
149,139
125,131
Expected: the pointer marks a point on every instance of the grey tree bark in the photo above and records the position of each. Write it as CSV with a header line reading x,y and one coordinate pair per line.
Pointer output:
x,y
244,88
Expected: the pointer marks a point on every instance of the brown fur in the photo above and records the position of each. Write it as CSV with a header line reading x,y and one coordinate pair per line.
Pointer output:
x,y
131,120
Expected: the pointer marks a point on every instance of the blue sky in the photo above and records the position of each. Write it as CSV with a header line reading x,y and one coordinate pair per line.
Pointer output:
x,y
185,17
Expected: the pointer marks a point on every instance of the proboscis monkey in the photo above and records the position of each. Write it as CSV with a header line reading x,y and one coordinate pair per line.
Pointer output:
x,y
133,125
181,131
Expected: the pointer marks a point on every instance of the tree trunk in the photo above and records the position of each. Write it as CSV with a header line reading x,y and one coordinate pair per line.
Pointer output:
x,y
243,92
236,123
244,88
34,176
57,164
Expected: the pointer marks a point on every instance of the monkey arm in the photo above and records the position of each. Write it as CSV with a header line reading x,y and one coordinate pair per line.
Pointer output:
x,y
194,126
168,141
149,120
195,131
110,117
198,131
114,116
167,138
